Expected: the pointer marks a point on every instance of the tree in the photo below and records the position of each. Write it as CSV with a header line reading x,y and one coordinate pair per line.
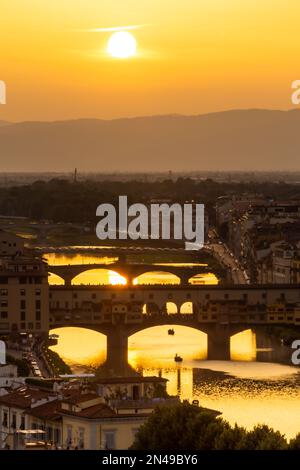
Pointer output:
x,y
295,443
176,426
263,438
185,426
230,438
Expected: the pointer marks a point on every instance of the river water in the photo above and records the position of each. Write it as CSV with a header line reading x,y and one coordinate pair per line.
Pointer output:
x,y
259,385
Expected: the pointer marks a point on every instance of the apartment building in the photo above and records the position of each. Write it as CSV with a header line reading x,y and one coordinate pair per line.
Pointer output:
x,y
105,414
24,289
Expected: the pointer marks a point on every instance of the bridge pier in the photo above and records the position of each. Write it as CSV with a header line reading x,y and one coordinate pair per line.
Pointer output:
x,y
218,343
184,279
68,280
117,350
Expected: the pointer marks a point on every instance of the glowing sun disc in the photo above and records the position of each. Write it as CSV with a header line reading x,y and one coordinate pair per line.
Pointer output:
x,y
121,45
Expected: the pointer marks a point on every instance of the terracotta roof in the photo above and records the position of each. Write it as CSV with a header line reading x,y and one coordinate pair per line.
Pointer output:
x,y
47,411
102,411
23,396
129,380
79,397
92,412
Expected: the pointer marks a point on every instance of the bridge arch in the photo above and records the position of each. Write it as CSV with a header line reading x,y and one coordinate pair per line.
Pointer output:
x,y
171,308
154,344
203,278
99,276
93,344
150,308
55,279
187,308
243,344
156,277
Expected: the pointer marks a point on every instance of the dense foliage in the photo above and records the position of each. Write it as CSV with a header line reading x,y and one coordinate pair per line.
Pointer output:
x,y
57,363
61,200
185,426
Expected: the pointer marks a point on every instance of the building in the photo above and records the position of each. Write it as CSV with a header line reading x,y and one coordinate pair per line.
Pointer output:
x,y
10,245
24,296
104,414
24,289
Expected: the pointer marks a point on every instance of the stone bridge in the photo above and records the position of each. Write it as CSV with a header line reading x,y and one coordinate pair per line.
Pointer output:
x,y
129,271
218,311
117,333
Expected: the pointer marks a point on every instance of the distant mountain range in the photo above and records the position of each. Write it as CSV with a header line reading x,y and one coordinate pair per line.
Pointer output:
x,y
230,140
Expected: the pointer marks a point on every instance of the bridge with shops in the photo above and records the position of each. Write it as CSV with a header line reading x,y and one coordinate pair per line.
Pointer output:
x,y
219,311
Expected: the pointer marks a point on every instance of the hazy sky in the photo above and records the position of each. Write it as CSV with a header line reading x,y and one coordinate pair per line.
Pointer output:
x,y
193,56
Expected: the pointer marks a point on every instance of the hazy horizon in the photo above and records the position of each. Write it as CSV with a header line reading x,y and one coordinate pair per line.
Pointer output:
x,y
146,116
236,140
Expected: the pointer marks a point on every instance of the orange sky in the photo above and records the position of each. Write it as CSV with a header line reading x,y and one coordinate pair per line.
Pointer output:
x,y
194,56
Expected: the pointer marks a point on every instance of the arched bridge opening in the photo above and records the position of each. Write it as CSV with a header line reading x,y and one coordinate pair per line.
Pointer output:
x,y
101,276
156,277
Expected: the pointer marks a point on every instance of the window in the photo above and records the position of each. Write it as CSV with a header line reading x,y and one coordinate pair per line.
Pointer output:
x,y
5,419
14,421
109,440
170,296
23,316
3,292
23,304
3,304
4,315
22,292
37,291
57,436
69,435
38,315
74,295
30,326
22,426
94,296
38,305
49,433
81,438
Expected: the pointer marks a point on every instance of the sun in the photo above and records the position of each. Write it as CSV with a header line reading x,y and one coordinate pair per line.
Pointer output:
x,y
121,45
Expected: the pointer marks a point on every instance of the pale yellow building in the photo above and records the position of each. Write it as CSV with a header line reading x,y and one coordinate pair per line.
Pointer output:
x,y
105,414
